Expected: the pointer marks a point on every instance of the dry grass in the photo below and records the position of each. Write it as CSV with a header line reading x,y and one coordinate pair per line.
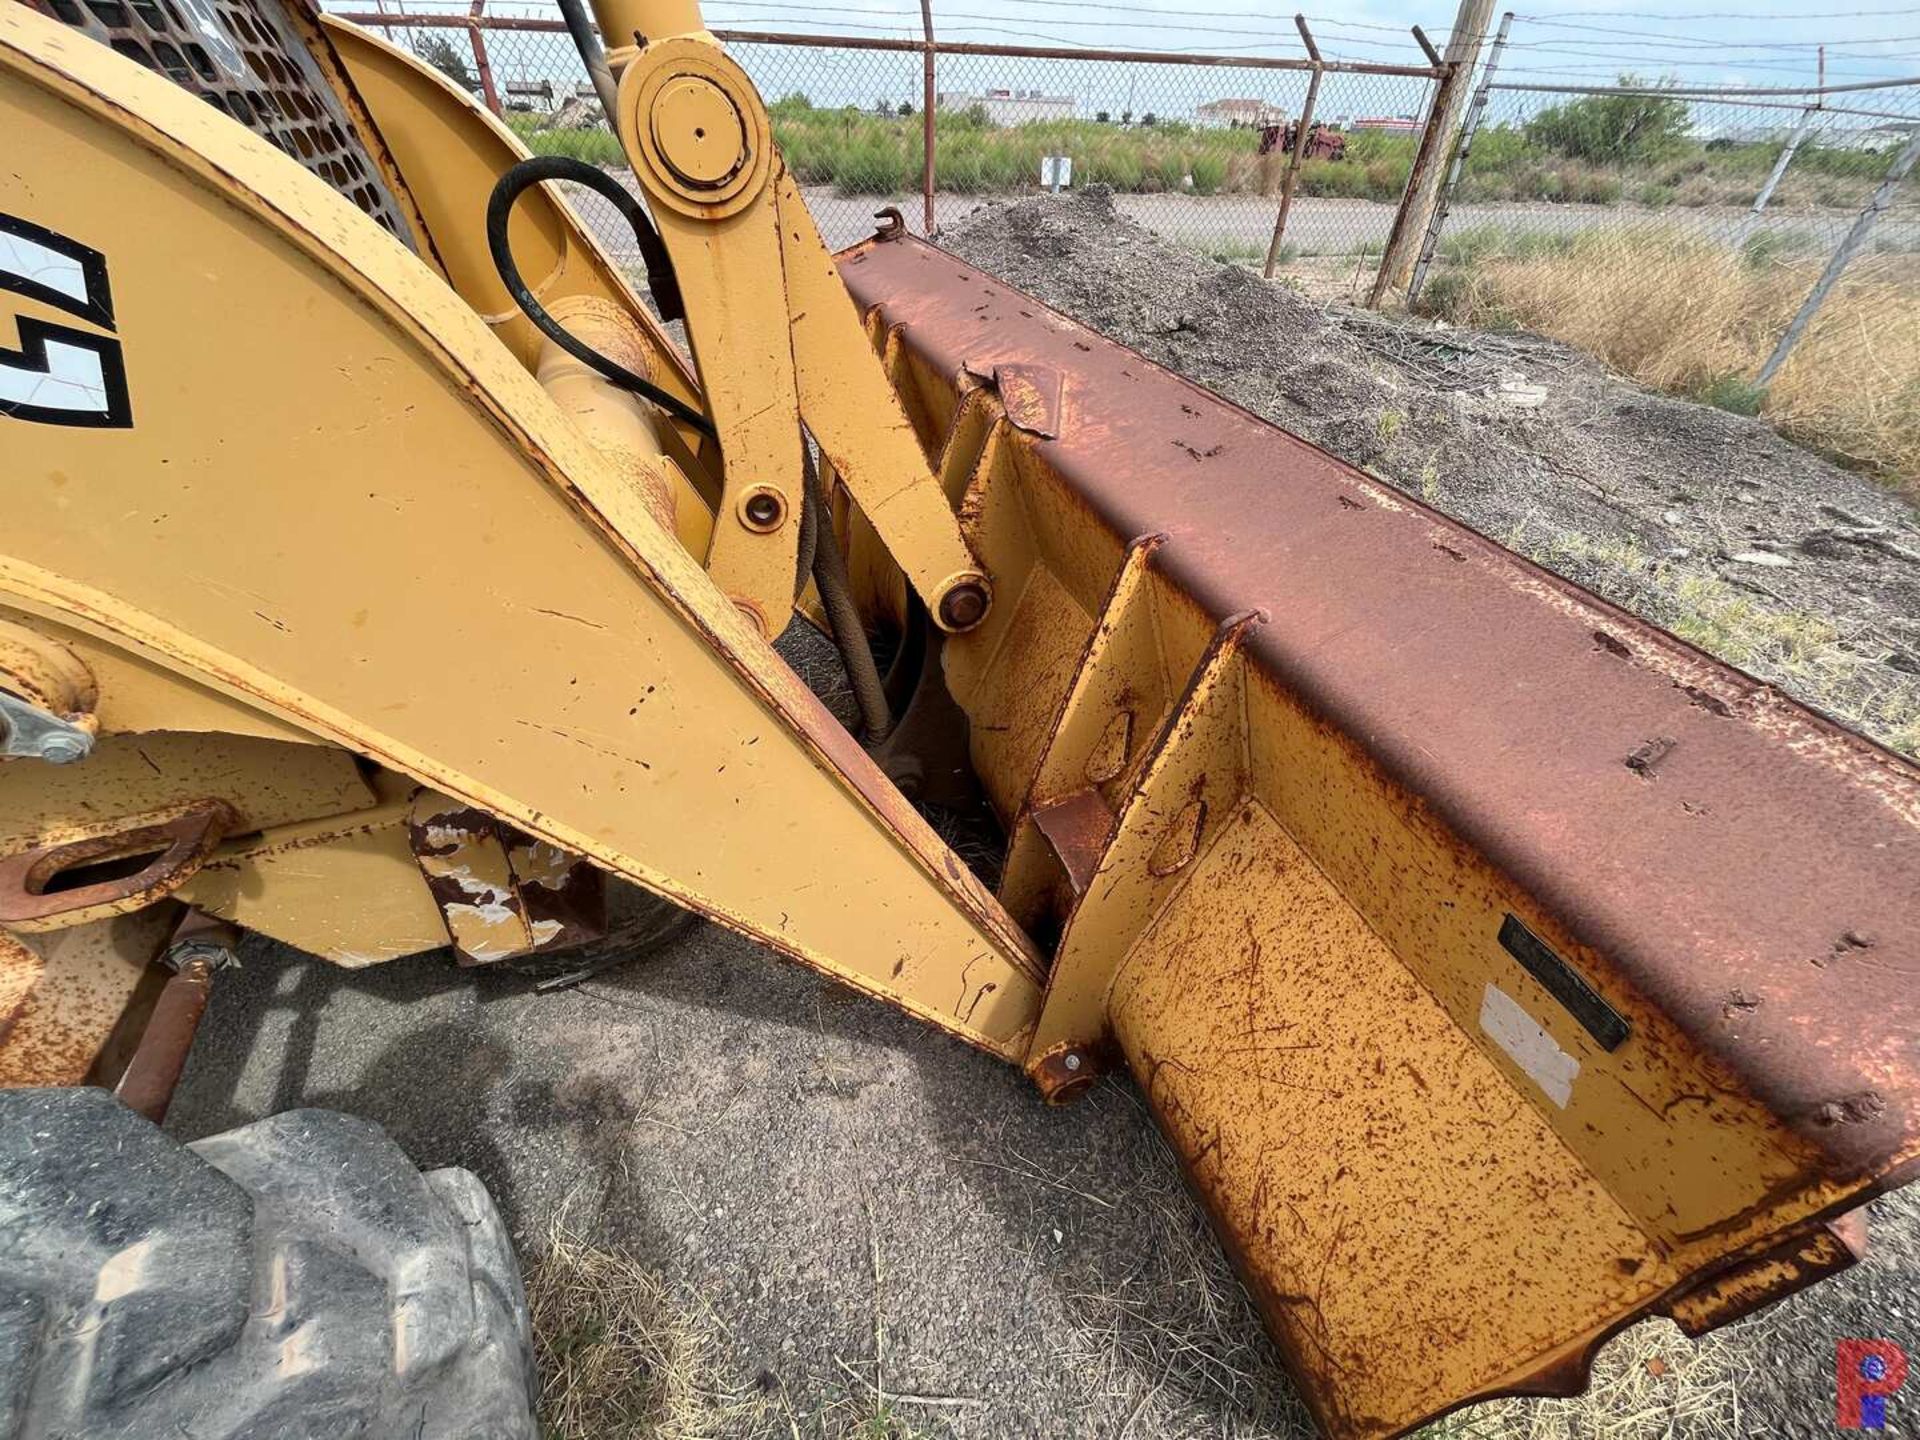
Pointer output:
x,y
1699,318
1800,651
1649,1383
1164,1335
621,1355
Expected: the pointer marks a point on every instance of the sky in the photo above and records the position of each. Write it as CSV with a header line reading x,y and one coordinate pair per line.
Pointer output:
x,y
1742,43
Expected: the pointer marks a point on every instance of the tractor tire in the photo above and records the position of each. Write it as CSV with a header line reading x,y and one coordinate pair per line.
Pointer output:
x,y
294,1278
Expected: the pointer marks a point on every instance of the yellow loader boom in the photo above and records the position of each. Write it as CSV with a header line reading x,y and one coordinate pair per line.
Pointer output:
x,y
377,574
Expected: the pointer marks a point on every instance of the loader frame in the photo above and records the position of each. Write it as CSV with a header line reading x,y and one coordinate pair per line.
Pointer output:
x,y
1491,959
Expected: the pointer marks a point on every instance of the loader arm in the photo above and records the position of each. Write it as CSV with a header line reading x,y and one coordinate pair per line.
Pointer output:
x,y
1501,969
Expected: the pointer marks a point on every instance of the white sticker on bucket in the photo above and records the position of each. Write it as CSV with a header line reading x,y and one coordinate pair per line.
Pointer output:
x,y
1510,1027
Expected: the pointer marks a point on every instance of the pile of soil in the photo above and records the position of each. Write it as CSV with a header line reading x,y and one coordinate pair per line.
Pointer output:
x,y
1707,523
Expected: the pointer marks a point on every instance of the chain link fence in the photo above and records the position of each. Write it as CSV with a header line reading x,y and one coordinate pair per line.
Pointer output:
x,y
1195,149
1709,242
1761,251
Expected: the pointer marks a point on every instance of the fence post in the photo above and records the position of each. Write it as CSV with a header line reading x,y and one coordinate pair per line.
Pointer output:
x,y
1786,157
1299,148
1856,237
1444,205
927,97
487,91
1443,119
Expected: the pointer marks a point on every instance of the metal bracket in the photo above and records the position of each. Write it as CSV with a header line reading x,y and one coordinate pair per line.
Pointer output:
x,y
28,732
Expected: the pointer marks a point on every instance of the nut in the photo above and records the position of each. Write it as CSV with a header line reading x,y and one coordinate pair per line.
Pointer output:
x,y
964,606
64,749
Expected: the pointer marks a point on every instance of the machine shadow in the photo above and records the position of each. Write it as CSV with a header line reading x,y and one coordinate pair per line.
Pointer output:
x,y
1142,1299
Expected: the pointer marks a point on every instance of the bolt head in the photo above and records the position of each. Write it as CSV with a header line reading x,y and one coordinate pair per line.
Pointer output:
x,y
964,606
1071,1060
63,749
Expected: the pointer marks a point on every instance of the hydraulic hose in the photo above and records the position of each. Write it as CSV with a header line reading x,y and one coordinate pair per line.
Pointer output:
x,y
666,291
587,41
843,616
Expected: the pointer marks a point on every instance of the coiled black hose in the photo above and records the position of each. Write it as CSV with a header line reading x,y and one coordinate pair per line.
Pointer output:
x,y
660,279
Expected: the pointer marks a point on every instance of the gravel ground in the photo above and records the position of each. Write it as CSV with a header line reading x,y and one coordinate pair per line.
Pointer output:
x,y
881,1233
1708,523
824,1183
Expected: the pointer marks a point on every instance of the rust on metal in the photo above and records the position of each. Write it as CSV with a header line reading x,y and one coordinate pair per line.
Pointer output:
x,y
46,673
1758,1281
1064,1073
480,62
460,852
563,897
1114,748
1181,842
429,21
1771,834
201,947
138,861
1077,829
928,100
501,892
1031,395
1295,932
65,994
1305,136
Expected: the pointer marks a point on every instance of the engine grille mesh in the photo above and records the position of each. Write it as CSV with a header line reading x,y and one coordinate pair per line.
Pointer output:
x,y
243,58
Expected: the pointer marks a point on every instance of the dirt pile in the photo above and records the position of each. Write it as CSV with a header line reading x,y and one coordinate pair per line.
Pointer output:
x,y
1707,523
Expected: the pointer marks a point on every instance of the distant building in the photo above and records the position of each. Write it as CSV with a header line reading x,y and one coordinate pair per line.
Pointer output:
x,y
1239,114
1720,137
1387,124
1010,107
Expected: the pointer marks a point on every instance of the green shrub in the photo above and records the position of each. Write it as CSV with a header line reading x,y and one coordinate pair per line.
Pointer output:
x,y
596,147
1366,147
1446,290
1471,244
959,168
1120,166
1735,393
1818,159
1599,189
1613,129
1332,179
1766,248
1386,178
1209,174
872,167
1500,148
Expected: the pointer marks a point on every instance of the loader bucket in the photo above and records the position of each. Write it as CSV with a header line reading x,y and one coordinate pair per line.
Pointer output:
x,y
1501,968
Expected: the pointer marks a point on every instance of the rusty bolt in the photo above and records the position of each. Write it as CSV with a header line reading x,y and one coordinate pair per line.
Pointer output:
x,y
964,606
1064,1073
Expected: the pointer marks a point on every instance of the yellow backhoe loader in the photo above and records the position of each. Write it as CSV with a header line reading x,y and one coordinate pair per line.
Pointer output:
x,y
376,573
